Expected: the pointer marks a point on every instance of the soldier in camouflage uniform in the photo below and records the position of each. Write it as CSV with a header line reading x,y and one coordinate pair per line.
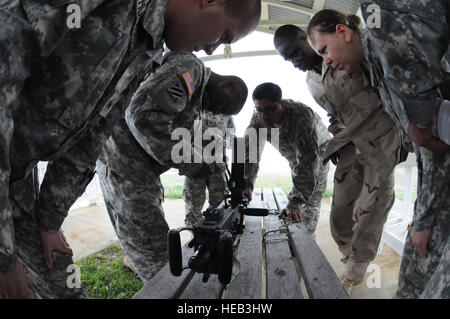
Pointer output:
x,y
367,146
302,139
403,57
194,188
65,104
136,155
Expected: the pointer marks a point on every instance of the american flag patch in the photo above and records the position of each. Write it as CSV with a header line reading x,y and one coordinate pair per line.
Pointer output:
x,y
189,82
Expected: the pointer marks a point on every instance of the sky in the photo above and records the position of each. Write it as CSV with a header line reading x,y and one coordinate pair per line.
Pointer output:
x,y
257,70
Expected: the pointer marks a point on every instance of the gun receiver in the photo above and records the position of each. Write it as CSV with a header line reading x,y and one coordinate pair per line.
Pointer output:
x,y
216,232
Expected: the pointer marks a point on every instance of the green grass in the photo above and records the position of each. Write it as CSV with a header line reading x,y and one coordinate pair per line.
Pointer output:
x,y
104,276
173,191
173,185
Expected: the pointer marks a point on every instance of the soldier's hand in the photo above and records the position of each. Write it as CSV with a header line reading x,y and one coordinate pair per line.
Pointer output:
x,y
54,241
292,214
420,240
424,137
248,194
15,284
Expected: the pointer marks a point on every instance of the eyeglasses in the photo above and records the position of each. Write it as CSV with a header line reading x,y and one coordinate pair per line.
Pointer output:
x,y
267,110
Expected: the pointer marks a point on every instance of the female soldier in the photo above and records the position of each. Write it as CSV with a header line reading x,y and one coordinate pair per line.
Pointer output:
x,y
337,38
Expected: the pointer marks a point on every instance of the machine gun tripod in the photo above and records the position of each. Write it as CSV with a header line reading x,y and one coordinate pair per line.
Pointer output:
x,y
215,233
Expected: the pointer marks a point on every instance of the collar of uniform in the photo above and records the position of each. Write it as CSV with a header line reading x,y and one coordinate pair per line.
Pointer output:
x,y
153,20
285,120
325,70
207,75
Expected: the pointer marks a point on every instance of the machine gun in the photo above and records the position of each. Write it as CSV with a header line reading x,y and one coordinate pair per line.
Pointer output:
x,y
215,233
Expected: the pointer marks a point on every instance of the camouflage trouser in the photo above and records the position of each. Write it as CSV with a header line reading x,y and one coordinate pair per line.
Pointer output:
x,y
50,283
311,210
438,286
361,203
194,194
433,198
136,212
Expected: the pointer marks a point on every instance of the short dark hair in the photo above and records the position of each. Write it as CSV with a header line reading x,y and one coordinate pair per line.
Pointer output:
x,y
288,32
240,93
229,92
325,21
244,10
267,91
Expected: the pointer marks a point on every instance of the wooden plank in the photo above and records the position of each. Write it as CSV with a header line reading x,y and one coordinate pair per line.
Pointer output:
x,y
256,199
280,198
164,285
282,278
320,279
283,281
269,200
247,284
197,289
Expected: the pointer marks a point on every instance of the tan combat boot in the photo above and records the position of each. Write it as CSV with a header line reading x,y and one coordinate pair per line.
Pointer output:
x,y
353,274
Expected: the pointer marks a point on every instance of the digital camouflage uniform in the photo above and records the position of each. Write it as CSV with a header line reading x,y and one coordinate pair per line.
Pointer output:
x,y
66,88
369,146
129,170
194,194
438,286
404,58
302,141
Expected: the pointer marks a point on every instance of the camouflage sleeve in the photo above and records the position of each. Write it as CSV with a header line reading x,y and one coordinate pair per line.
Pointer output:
x,y
62,185
14,41
306,169
66,179
253,150
410,47
158,102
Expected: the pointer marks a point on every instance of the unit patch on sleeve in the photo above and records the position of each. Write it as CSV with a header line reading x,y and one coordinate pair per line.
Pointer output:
x,y
189,81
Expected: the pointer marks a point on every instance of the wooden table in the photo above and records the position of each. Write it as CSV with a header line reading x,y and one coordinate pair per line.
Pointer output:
x,y
274,256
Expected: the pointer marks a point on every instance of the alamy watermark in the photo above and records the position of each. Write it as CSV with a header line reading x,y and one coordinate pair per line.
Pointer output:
x,y
193,149
374,16
373,279
74,277
73,20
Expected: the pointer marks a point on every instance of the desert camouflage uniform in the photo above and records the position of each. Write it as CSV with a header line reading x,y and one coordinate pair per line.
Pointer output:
x,y
129,170
369,147
302,141
194,188
404,58
68,88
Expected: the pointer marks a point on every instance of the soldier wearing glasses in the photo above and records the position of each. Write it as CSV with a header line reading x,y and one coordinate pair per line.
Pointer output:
x,y
302,141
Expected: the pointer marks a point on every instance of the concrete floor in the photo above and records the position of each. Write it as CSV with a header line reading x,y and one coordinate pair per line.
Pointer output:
x,y
89,230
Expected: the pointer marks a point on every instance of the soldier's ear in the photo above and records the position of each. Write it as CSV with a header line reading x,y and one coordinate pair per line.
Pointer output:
x,y
343,31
